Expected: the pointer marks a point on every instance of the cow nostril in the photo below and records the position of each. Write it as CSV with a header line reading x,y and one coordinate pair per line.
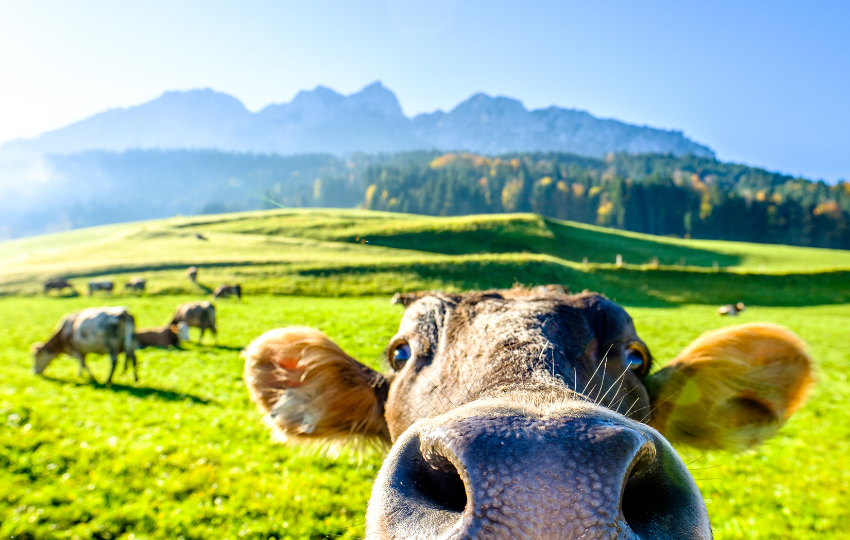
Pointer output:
x,y
654,491
438,480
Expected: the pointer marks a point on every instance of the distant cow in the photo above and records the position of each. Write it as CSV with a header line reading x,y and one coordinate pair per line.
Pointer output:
x,y
107,330
136,284
57,285
731,310
163,336
192,274
201,315
200,236
105,286
226,291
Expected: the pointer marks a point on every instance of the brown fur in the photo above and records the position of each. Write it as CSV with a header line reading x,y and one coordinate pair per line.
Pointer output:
x,y
163,336
732,388
311,390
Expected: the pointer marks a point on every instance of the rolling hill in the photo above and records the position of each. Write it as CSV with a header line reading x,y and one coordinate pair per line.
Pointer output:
x,y
351,252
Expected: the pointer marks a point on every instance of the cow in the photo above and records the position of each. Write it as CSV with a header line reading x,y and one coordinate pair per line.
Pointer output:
x,y
732,310
57,285
192,274
107,330
169,335
136,284
225,291
201,315
530,414
105,286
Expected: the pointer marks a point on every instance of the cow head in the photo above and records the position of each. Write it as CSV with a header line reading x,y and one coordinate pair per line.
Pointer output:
x,y
43,356
531,414
182,331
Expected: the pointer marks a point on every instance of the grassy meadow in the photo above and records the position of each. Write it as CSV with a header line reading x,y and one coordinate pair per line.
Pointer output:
x,y
182,453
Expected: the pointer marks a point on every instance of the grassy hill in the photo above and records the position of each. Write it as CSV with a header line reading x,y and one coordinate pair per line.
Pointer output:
x,y
351,252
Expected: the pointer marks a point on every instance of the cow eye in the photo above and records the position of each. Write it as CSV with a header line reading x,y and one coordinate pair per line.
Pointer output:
x,y
399,355
637,360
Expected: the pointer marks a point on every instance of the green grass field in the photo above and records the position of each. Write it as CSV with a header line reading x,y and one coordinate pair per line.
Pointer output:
x,y
182,453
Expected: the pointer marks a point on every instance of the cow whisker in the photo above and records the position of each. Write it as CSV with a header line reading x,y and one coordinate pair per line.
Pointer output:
x,y
622,399
711,467
620,378
440,390
697,459
591,377
633,404
604,370
665,400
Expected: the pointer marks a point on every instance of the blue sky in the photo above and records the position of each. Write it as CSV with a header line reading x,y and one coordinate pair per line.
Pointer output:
x,y
764,83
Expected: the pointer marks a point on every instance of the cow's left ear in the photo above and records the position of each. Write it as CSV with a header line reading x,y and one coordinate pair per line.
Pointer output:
x,y
311,391
731,388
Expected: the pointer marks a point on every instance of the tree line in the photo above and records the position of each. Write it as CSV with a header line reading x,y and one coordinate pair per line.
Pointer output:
x,y
688,197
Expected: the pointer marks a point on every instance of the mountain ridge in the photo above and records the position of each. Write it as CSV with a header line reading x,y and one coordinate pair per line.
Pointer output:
x,y
370,120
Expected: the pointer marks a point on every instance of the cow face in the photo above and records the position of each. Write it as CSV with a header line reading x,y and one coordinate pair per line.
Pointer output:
x,y
528,414
182,331
42,356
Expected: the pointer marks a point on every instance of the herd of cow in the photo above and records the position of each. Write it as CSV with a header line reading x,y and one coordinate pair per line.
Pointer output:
x,y
112,331
138,284
519,413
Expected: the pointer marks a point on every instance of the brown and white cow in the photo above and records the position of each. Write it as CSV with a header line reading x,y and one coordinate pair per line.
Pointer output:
x,y
106,330
200,315
192,274
169,335
226,291
531,414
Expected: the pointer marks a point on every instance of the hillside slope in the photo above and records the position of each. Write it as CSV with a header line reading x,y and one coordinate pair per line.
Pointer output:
x,y
349,252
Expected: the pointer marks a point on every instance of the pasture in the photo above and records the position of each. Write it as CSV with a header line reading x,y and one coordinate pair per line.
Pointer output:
x,y
183,453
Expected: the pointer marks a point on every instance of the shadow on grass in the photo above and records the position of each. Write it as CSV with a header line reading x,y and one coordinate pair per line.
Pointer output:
x,y
206,347
536,234
138,391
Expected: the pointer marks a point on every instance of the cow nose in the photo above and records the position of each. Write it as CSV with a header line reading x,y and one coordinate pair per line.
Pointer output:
x,y
588,476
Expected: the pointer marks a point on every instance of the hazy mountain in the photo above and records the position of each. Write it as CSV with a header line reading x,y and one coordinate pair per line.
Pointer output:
x,y
371,120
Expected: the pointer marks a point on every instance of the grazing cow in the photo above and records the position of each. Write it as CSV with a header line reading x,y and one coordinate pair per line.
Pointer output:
x,y
225,291
531,414
164,336
201,315
105,286
136,284
192,274
107,330
57,285
732,310
200,236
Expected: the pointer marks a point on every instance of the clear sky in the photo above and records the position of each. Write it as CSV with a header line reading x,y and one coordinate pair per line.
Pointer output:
x,y
764,83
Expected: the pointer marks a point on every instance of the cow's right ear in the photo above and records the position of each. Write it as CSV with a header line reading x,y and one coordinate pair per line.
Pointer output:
x,y
311,391
731,388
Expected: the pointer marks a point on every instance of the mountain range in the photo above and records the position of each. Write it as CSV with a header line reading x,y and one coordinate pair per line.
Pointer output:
x,y
371,121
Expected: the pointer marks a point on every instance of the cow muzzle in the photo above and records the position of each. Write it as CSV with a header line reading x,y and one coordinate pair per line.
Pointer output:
x,y
500,472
